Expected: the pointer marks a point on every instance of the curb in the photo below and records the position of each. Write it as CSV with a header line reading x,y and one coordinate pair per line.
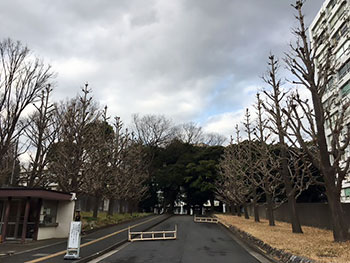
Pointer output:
x,y
114,246
270,252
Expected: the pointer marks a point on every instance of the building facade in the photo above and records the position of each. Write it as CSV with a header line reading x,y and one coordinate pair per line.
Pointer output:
x,y
331,25
34,214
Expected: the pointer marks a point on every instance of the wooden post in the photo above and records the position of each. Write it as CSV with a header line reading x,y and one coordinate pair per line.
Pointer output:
x,y
6,219
37,219
18,217
25,220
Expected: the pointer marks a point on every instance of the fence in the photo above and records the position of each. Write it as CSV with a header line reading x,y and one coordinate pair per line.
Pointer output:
x,y
198,219
152,235
310,214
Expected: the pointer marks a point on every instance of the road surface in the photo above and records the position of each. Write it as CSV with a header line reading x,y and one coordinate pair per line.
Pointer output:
x,y
90,244
196,242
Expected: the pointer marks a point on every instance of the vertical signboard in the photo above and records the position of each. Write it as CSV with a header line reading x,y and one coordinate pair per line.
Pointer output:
x,y
73,247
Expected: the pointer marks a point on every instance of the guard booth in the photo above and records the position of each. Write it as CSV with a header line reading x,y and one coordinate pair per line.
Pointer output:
x,y
34,214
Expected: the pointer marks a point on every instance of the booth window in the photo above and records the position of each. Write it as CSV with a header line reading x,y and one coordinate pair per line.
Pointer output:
x,y
48,212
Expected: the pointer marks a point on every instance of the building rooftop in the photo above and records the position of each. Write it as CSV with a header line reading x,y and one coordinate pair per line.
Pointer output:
x,y
34,192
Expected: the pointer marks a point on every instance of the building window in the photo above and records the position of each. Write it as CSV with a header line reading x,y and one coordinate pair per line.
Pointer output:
x,y
338,15
344,69
331,4
48,212
342,50
342,31
345,90
330,84
347,193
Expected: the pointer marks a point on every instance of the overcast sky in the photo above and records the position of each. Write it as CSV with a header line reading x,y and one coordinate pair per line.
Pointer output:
x,y
191,60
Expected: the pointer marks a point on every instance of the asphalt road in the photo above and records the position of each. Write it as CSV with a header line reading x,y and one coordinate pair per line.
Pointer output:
x,y
90,244
196,242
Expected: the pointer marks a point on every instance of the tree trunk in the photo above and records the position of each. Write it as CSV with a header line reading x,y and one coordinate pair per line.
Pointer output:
x,y
111,207
211,206
290,192
293,213
245,210
96,206
340,232
129,206
89,203
270,214
255,207
124,206
171,208
229,209
238,209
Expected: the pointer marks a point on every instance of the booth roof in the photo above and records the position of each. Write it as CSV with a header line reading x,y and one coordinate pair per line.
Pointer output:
x,y
34,192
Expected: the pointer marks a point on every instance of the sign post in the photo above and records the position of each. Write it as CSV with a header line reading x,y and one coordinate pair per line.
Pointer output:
x,y
73,247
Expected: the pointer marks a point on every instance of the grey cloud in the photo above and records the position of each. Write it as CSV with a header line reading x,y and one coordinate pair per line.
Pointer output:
x,y
133,52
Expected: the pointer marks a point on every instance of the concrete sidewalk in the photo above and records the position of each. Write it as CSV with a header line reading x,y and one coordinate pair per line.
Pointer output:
x,y
52,250
15,247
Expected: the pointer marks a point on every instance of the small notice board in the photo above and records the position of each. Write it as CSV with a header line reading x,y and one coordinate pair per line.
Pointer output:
x,y
73,247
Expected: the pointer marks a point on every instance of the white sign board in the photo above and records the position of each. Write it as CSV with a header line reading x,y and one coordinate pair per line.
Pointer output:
x,y
73,247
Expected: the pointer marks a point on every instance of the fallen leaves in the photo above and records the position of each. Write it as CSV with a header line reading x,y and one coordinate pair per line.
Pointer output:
x,y
315,243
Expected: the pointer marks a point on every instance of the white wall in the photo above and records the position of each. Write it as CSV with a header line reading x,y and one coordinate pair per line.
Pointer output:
x,y
65,213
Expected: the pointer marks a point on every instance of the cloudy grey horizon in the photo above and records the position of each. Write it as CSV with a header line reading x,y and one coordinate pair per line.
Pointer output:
x,y
190,60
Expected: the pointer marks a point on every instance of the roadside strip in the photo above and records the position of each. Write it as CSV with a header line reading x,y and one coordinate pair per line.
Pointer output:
x,y
256,252
91,242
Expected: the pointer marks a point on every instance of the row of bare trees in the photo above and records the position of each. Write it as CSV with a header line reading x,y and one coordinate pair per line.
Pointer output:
x,y
71,146
291,137
159,131
22,81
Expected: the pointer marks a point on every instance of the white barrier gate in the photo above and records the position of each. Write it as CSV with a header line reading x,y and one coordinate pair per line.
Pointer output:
x,y
152,235
199,219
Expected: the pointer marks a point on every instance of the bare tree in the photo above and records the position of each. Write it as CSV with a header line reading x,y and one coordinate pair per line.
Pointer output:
x,y
214,139
117,182
68,155
22,79
128,169
97,164
190,133
279,126
232,184
153,130
135,175
250,164
268,178
308,120
41,132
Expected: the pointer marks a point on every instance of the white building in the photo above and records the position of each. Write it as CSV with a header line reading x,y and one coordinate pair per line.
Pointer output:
x,y
332,23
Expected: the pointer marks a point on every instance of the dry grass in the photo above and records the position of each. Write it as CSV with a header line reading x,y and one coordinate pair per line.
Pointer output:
x,y
315,243
103,219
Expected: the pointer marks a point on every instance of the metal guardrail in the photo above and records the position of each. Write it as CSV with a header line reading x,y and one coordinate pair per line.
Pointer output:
x,y
199,219
152,235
